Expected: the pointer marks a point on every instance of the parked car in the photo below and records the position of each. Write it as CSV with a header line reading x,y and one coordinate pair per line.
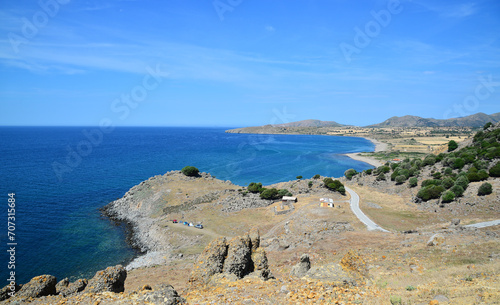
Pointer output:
x,y
174,221
185,223
199,226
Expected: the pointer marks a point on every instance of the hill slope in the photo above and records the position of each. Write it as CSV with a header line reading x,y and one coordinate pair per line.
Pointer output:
x,y
475,120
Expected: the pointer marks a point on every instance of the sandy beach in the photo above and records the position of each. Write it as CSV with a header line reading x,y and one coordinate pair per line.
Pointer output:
x,y
379,146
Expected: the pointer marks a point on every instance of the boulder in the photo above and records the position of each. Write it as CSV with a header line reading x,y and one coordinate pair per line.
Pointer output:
x,y
4,292
254,239
111,279
260,264
435,240
163,294
301,268
210,261
239,257
65,288
39,286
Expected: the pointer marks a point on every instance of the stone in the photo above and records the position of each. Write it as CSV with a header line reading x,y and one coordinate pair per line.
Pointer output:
x,y
39,286
455,222
301,268
239,257
4,292
65,288
210,261
254,239
111,279
441,298
435,240
163,294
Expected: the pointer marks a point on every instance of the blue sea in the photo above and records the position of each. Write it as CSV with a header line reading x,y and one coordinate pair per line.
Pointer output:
x,y
61,176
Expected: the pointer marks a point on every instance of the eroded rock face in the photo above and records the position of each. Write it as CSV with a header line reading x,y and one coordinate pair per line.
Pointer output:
x,y
6,291
302,267
163,294
239,257
65,288
436,240
111,279
39,286
210,261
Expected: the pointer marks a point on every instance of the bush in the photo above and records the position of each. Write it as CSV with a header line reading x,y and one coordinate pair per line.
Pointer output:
x,y
394,166
270,194
327,181
284,192
341,190
485,189
413,181
448,182
368,171
495,170
310,184
457,190
436,175
430,192
429,160
452,145
400,179
459,163
487,125
381,177
462,181
350,173
190,171
429,182
448,171
448,196
383,169
255,187
299,177
335,185
316,176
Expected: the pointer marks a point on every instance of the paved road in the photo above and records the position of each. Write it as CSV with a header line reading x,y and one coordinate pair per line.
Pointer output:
x,y
484,224
361,216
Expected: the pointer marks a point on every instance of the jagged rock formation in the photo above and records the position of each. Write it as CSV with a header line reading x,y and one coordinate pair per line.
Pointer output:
x,y
302,267
112,279
239,257
39,286
65,288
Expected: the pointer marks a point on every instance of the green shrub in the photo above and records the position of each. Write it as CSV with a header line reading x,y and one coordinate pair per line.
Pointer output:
x,y
270,194
448,183
495,170
452,145
327,181
310,184
429,160
462,181
485,189
436,175
413,181
487,125
448,196
299,177
410,288
448,171
405,172
430,192
254,187
369,171
383,169
341,190
284,192
459,163
190,171
350,173
429,182
457,190
400,179
394,165
381,177
335,185
316,176
395,300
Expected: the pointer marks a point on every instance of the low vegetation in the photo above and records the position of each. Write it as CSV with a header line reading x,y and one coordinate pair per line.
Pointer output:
x,y
190,171
268,194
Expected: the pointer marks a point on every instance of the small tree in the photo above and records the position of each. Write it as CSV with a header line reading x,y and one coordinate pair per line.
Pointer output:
x,y
316,176
462,181
270,194
452,145
487,125
255,187
299,177
400,179
381,177
495,170
310,184
448,183
448,196
413,181
190,171
457,190
350,173
485,189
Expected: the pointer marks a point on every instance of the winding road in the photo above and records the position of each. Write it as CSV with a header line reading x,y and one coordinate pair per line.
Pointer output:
x,y
372,226
362,216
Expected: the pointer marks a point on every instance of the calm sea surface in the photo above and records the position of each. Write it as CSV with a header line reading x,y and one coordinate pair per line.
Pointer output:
x,y
61,177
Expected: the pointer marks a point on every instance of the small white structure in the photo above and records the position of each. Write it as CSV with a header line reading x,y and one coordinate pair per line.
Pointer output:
x,y
326,202
288,199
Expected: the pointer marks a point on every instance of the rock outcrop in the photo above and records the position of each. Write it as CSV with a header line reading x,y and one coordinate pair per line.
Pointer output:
x,y
65,288
39,286
302,267
111,279
163,294
239,257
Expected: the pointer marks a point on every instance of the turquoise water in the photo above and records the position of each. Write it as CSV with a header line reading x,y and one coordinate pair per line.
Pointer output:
x,y
59,229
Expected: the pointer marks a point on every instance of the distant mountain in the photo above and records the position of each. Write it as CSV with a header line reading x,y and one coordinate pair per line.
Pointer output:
x,y
311,123
475,120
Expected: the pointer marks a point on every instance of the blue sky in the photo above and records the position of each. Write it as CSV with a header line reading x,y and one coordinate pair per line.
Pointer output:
x,y
245,63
